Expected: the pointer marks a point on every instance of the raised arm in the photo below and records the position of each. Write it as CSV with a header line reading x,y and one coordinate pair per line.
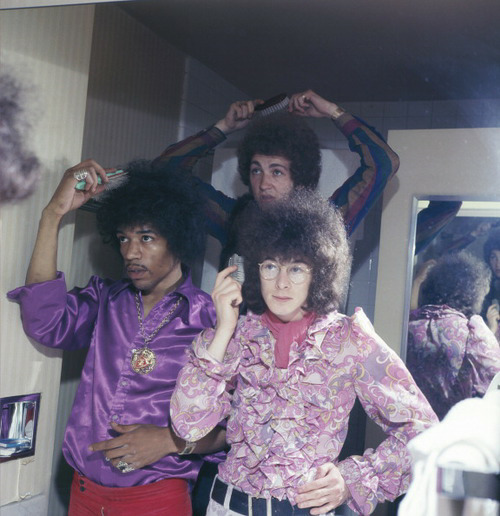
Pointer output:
x,y
185,154
431,221
379,162
43,264
201,399
227,298
51,315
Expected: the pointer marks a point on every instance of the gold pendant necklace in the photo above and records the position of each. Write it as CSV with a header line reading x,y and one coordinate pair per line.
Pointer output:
x,y
144,359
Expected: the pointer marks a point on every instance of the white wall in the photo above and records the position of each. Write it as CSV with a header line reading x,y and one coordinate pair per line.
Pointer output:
x,y
135,88
57,68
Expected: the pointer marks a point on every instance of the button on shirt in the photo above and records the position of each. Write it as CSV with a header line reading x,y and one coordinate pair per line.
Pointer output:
x,y
103,317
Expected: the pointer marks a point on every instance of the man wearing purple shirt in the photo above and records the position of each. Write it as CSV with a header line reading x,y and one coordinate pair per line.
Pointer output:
x,y
137,331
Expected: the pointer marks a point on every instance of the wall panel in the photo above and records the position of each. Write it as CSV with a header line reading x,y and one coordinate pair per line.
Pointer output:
x,y
49,49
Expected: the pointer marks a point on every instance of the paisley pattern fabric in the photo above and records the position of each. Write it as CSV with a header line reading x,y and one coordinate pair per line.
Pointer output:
x,y
451,357
285,423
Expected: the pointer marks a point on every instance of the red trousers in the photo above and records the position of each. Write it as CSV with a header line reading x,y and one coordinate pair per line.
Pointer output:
x,y
169,497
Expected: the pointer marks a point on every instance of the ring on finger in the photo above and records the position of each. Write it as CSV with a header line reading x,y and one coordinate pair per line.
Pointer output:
x,y
124,467
81,175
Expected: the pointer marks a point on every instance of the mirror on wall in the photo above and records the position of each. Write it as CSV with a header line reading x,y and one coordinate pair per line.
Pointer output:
x,y
451,327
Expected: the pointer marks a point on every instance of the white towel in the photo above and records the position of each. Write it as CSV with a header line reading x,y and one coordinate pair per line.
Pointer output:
x,y
468,438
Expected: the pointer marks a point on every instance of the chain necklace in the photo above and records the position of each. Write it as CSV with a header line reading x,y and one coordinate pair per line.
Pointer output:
x,y
144,359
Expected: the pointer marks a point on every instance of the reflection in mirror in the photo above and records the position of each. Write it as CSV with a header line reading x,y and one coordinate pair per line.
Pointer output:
x,y
452,328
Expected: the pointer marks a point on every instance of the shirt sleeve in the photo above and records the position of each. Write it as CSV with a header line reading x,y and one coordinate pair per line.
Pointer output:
x,y
482,356
432,220
390,398
56,318
378,164
184,155
201,397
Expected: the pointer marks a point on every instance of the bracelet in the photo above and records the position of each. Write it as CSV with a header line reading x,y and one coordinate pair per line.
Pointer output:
x,y
188,448
338,112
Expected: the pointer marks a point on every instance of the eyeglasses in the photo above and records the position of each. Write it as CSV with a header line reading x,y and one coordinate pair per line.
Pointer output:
x,y
296,273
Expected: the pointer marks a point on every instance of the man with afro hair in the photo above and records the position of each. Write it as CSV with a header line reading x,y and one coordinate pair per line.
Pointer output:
x,y
118,438
281,152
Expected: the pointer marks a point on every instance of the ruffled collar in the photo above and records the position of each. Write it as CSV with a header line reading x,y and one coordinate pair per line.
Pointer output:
x,y
260,348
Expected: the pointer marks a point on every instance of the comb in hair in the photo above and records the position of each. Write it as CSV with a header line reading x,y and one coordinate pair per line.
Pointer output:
x,y
116,179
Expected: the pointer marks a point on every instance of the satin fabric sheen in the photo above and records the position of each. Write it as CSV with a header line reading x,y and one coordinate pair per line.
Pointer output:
x,y
103,317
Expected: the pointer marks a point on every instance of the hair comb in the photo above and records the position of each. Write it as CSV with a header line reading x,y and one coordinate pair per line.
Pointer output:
x,y
116,179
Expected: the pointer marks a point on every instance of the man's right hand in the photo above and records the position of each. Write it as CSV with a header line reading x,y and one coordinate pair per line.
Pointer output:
x,y
66,198
43,263
227,297
238,115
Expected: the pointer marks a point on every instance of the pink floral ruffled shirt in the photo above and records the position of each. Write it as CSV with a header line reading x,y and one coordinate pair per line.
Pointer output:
x,y
450,356
284,423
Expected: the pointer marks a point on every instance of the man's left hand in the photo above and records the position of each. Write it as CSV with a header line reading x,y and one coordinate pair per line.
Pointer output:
x,y
139,445
308,103
327,491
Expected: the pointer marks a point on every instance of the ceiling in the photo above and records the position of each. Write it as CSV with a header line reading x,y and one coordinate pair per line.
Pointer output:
x,y
346,50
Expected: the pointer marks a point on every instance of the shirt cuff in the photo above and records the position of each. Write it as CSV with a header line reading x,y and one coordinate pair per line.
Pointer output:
x,y
215,134
347,124
360,484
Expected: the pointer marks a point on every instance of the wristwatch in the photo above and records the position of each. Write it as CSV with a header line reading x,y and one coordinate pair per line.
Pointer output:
x,y
337,112
188,448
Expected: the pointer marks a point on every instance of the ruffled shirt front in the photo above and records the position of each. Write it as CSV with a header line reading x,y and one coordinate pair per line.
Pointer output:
x,y
284,423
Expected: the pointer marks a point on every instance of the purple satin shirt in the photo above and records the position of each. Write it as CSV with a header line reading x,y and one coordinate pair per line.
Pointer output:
x,y
103,317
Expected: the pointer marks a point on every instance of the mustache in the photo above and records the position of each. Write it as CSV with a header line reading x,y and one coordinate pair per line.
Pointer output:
x,y
135,266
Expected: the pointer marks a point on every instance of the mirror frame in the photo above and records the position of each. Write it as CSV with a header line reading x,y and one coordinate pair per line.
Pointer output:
x,y
411,255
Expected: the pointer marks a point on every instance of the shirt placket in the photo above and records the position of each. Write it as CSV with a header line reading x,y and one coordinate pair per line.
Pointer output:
x,y
128,377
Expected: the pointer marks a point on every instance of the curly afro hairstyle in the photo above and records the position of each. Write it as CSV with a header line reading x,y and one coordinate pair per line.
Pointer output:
x,y
283,135
168,201
460,281
305,227
491,244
